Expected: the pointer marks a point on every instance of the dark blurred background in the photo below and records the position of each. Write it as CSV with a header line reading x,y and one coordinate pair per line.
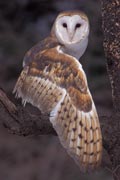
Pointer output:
x,y
22,24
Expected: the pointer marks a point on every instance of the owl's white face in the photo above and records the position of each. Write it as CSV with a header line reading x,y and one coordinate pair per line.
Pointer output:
x,y
72,31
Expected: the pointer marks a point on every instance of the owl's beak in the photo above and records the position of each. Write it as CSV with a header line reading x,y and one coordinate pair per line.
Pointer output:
x,y
71,34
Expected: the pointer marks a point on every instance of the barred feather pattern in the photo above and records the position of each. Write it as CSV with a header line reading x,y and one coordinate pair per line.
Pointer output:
x,y
79,133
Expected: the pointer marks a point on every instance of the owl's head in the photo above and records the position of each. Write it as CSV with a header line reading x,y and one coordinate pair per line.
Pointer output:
x,y
71,28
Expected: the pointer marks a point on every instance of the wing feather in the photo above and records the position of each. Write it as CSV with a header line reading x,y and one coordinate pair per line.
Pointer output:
x,y
56,84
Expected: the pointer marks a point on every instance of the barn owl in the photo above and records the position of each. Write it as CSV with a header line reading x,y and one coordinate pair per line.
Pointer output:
x,y
53,80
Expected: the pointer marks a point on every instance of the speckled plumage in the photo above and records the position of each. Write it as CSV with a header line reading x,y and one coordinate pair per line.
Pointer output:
x,y
55,82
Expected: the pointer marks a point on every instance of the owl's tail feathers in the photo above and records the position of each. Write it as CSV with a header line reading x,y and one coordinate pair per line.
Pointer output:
x,y
79,133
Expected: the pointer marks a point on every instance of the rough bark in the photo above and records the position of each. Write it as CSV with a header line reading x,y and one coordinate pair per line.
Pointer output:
x,y
111,31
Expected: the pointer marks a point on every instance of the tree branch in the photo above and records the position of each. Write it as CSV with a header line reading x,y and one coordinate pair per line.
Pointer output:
x,y
21,121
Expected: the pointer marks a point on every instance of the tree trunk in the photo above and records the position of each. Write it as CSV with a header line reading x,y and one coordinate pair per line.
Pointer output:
x,y
111,31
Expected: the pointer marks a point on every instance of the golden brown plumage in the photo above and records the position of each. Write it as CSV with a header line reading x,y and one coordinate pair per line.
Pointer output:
x,y
55,82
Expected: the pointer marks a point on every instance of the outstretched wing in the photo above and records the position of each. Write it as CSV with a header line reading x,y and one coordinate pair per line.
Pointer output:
x,y
56,84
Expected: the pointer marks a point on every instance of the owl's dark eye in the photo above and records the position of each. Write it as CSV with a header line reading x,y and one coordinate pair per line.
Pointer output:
x,y
78,25
64,25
